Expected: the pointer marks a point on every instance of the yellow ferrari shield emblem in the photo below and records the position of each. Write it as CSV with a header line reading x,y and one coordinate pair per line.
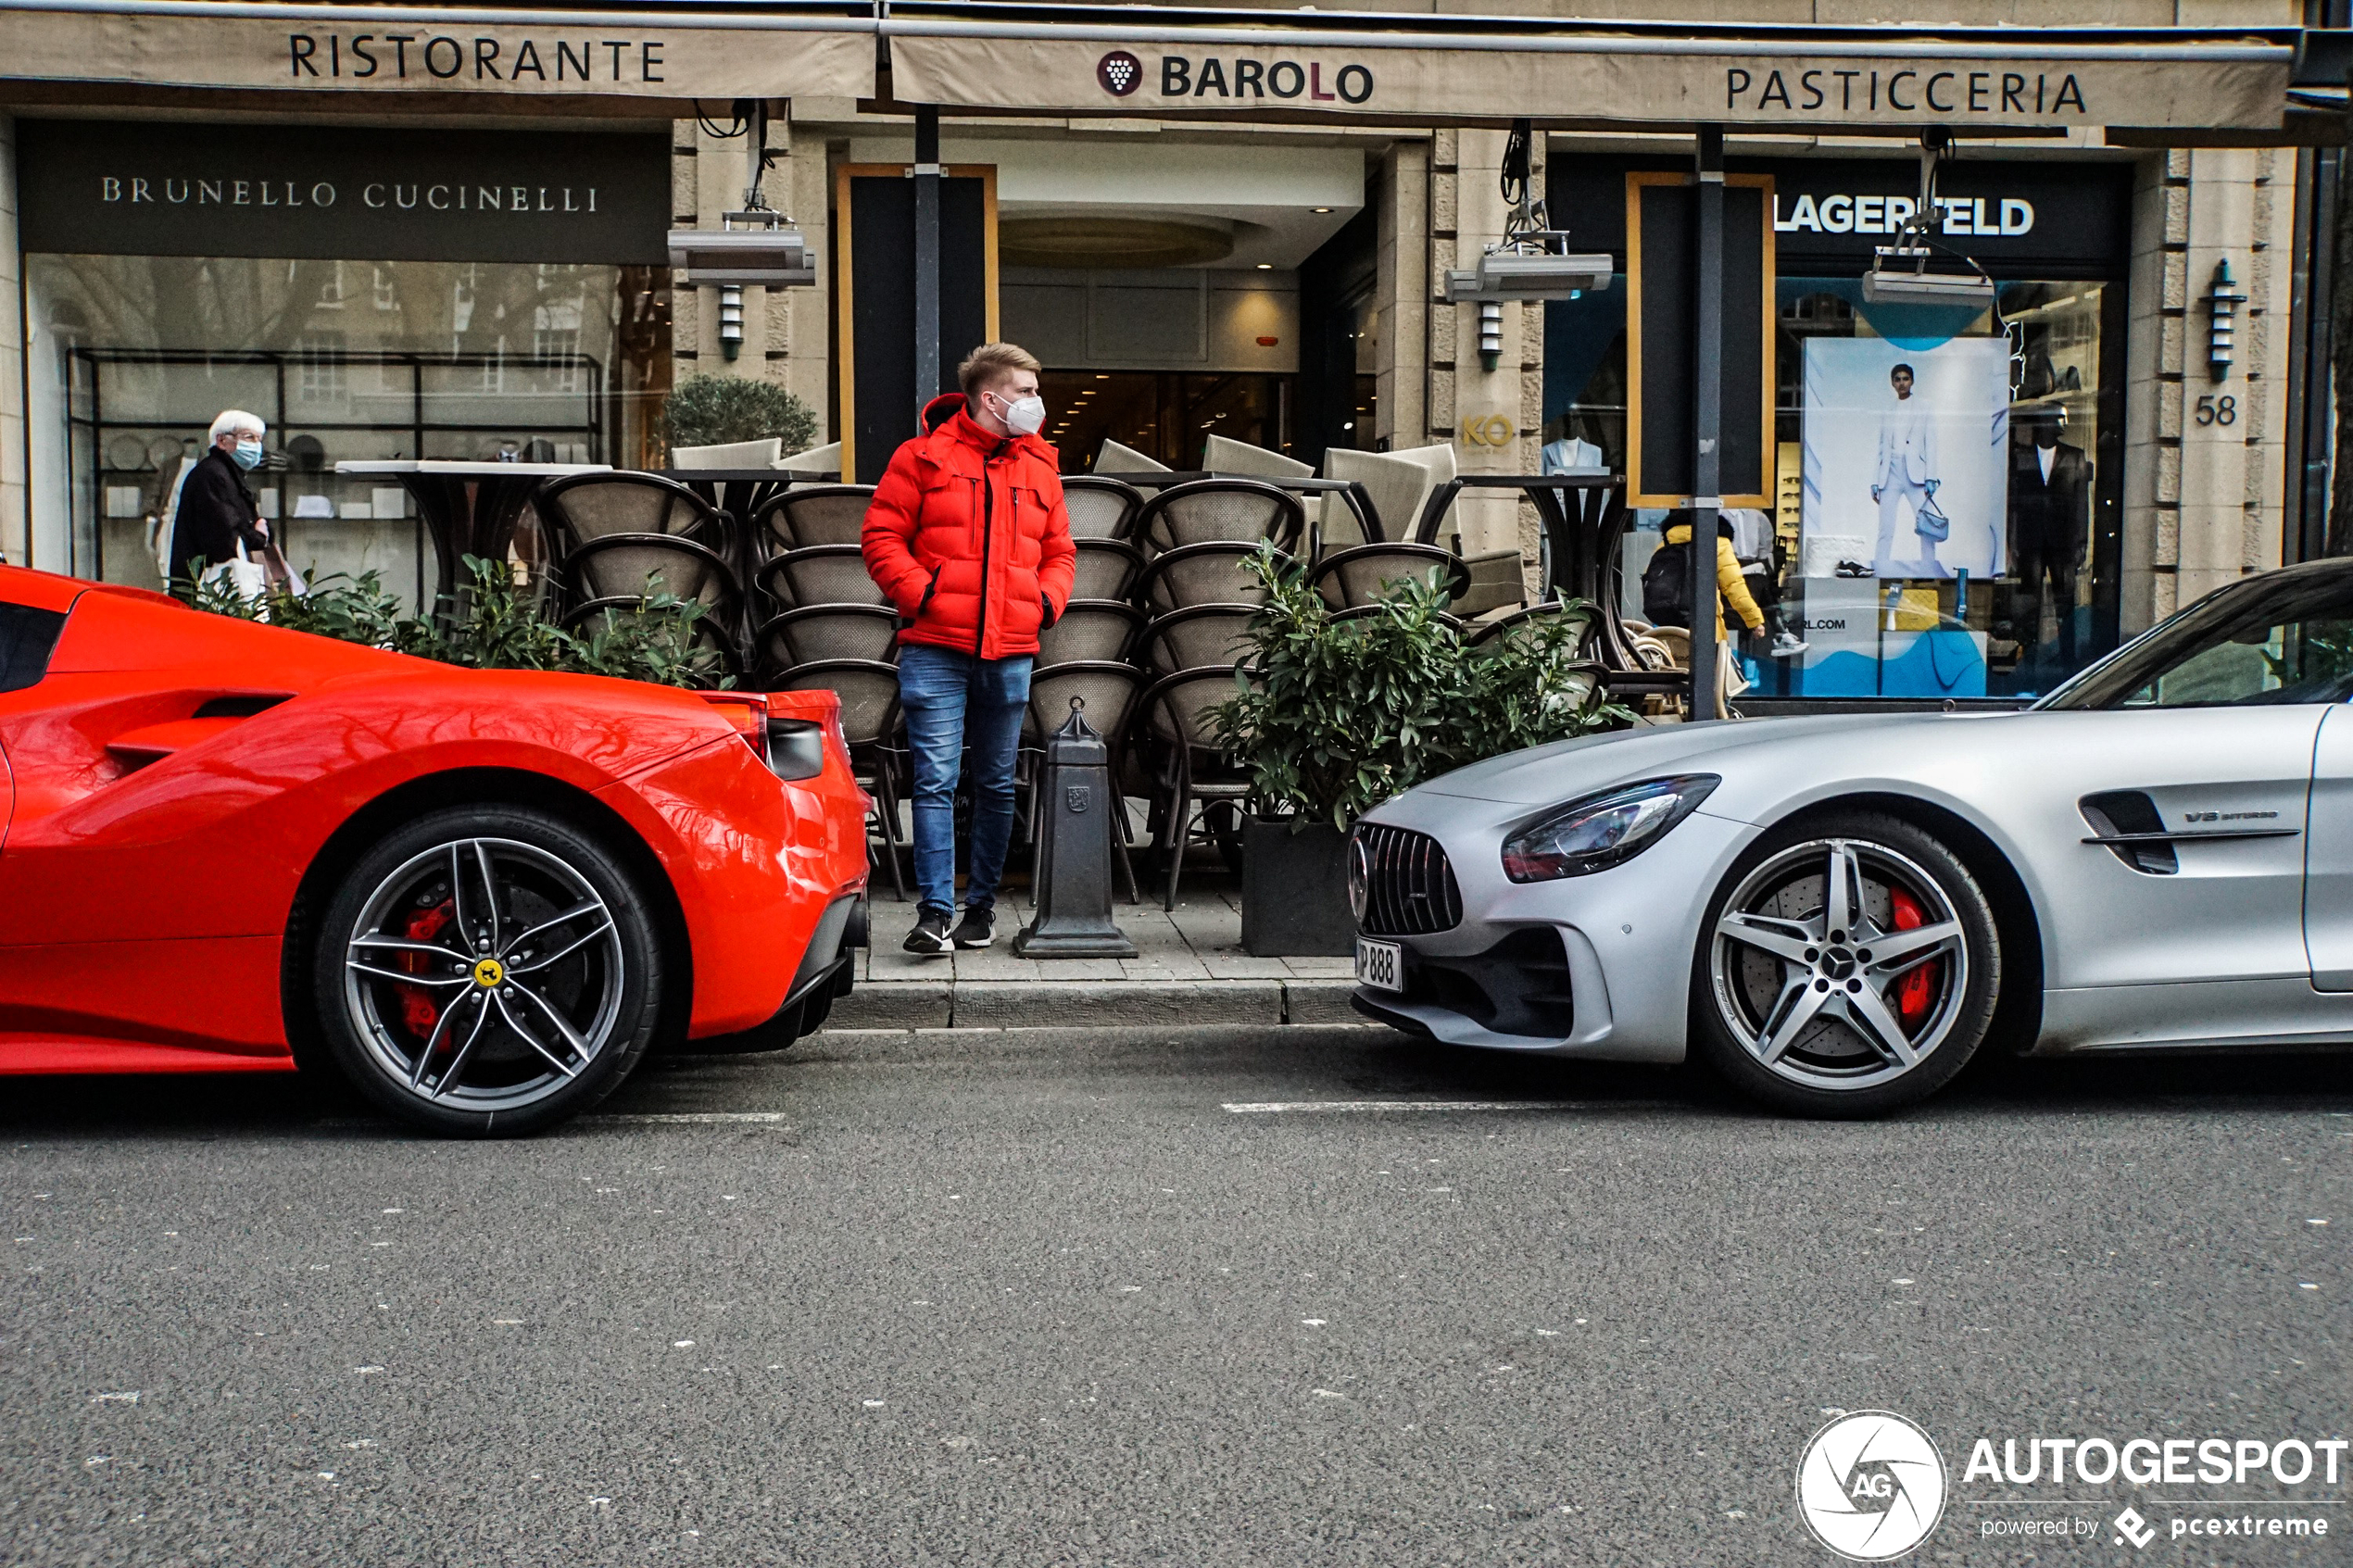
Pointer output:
x,y
489,973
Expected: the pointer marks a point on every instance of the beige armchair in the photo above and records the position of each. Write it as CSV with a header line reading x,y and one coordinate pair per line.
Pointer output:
x,y
1112,457
1399,483
818,462
1225,455
730,455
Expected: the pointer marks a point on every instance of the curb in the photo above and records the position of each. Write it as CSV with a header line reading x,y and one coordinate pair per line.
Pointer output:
x,y
1092,1004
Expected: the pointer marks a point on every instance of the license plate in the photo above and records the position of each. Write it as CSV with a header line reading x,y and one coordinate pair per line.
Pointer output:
x,y
1381,965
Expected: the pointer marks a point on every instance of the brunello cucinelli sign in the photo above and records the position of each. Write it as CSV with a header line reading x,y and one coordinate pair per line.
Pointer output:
x,y
362,194
1366,75
429,51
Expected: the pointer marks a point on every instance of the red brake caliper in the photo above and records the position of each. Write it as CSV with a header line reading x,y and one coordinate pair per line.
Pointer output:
x,y
1915,991
417,1009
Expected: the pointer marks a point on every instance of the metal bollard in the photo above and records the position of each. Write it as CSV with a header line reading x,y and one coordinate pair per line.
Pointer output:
x,y
1073,851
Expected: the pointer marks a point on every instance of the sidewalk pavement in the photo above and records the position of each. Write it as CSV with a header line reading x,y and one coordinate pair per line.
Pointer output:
x,y
1190,969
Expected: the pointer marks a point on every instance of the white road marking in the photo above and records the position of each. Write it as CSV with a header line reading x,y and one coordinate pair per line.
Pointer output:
x,y
681,1119
1260,1108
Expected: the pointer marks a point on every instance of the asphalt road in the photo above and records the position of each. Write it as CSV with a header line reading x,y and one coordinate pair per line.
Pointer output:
x,y
1045,1298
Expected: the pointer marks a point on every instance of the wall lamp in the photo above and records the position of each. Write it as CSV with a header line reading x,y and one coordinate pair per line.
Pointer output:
x,y
2223,301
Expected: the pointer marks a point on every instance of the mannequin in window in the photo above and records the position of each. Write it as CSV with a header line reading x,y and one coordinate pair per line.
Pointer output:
x,y
2050,522
1571,456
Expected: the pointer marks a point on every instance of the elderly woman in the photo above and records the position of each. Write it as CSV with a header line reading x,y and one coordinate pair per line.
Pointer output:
x,y
216,513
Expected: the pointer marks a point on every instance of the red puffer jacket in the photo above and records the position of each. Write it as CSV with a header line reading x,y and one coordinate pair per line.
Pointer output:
x,y
968,536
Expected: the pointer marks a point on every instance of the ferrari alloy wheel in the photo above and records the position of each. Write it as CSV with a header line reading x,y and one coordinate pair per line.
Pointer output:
x,y
1851,967
487,968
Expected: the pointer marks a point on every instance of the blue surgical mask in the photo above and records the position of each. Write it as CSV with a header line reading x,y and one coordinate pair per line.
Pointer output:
x,y
249,455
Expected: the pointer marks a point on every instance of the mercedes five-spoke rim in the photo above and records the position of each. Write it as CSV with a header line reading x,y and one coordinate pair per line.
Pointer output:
x,y
1840,964
485,974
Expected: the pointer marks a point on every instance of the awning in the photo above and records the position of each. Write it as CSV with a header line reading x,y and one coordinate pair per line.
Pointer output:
x,y
1176,62
502,55
1454,69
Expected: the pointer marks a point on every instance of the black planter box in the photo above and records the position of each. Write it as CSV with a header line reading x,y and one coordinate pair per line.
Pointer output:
x,y
1295,891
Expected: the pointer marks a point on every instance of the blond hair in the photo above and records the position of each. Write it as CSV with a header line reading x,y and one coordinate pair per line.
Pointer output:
x,y
991,363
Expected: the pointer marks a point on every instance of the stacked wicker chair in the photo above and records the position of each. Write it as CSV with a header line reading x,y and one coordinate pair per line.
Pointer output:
x,y
1199,591
827,626
615,536
1083,656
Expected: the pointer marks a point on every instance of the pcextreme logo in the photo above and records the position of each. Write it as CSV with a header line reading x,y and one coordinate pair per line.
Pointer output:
x,y
1870,1485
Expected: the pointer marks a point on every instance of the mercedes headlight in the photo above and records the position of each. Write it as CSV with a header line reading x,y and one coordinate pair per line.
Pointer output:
x,y
1601,831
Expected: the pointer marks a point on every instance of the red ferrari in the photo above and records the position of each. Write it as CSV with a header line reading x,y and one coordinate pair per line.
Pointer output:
x,y
482,895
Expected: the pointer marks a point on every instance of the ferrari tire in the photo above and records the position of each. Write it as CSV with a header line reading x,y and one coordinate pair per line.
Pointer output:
x,y
1848,966
487,970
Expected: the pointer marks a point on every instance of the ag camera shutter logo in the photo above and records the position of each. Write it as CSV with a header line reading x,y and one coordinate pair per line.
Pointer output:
x,y
1870,1485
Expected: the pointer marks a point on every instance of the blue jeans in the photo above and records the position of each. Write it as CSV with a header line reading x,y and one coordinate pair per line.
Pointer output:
x,y
951,700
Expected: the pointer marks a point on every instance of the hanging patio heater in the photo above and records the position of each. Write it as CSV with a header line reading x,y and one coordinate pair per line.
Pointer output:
x,y
1533,261
757,246
1904,273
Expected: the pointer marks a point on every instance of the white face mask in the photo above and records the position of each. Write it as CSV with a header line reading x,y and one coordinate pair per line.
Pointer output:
x,y
1024,416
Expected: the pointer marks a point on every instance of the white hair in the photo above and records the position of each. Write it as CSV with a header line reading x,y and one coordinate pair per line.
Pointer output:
x,y
235,418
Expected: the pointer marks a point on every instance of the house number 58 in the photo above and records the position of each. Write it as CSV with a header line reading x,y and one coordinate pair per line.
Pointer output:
x,y
2214,410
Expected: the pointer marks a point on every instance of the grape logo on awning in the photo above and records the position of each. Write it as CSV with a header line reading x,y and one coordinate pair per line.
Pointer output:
x,y
1120,72
1870,1485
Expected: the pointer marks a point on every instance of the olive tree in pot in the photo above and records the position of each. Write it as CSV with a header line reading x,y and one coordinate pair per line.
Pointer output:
x,y
1335,714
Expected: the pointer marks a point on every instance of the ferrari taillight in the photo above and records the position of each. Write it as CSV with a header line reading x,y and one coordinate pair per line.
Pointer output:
x,y
800,723
747,711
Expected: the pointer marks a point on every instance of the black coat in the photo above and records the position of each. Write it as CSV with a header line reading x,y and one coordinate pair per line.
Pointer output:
x,y
2050,516
216,511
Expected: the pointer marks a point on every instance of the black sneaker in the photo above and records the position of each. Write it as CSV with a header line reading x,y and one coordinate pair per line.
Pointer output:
x,y
978,928
930,934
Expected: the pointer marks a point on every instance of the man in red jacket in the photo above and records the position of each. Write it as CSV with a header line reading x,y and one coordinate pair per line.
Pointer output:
x,y
968,537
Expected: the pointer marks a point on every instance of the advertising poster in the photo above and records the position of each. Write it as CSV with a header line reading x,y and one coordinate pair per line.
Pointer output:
x,y
1906,457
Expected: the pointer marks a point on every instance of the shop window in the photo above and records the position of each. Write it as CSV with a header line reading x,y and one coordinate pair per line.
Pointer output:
x,y
130,358
1956,535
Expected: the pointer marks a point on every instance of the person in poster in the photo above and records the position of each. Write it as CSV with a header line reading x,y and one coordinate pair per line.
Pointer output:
x,y
1907,458
1905,471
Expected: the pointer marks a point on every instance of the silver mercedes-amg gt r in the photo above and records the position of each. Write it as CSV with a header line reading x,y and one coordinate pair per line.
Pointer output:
x,y
1837,912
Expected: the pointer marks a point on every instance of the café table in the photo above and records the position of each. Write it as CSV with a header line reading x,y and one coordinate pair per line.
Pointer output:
x,y
1581,520
470,508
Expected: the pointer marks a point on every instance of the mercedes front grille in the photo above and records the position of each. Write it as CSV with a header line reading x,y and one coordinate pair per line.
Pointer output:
x,y
1409,888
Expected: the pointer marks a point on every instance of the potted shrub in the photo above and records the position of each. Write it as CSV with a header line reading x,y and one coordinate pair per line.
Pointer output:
x,y
1334,715
494,623
708,410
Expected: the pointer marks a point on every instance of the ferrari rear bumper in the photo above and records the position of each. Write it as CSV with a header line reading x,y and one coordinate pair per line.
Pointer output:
x,y
828,969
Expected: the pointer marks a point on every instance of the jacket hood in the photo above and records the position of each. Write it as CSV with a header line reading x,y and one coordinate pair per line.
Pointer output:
x,y
946,413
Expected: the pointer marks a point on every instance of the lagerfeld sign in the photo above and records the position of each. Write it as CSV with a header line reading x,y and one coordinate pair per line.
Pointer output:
x,y
174,44
1401,79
